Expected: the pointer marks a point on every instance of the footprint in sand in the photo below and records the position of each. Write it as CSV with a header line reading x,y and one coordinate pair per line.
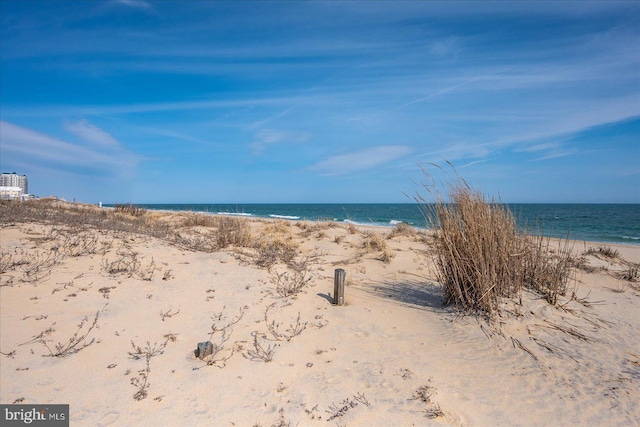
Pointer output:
x,y
362,334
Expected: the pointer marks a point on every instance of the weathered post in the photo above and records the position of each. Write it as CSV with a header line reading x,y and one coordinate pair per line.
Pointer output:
x,y
204,349
338,286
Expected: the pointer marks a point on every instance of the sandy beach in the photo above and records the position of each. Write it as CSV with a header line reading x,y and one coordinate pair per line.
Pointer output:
x,y
108,321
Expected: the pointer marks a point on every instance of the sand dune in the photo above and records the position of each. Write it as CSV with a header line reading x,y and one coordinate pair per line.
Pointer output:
x,y
393,355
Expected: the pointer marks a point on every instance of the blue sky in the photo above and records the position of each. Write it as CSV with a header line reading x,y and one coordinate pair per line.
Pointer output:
x,y
238,102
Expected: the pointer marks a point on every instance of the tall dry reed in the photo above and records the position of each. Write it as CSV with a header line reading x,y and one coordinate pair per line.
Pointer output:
x,y
482,256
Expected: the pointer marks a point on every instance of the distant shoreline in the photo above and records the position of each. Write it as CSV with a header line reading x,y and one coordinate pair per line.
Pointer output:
x,y
604,223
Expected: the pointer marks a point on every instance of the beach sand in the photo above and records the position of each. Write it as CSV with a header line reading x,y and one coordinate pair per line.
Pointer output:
x,y
393,355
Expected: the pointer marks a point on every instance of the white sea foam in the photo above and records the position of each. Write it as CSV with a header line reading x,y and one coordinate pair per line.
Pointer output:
x,y
284,216
235,213
363,223
395,222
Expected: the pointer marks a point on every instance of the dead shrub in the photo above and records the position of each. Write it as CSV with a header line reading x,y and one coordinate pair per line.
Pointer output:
x,y
232,232
76,216
75,243
260,352
129,263
6,261
277,334
141,382
195,241
271,250
77,342
424,394
481,256
130,209
36,266
289,284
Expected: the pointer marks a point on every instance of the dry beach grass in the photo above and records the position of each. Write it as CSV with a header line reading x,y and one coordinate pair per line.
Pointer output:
x,y
103,309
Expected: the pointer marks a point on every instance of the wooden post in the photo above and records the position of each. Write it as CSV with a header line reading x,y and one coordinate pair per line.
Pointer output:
x,y
338,286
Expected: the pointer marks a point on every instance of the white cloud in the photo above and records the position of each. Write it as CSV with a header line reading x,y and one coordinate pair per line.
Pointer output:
x,y
91,133
267,137
540,147
21,144
343,164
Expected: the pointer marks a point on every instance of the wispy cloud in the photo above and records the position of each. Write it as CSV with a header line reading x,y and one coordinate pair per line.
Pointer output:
x,y
267,137
269,119
138,4
344,164
92,134
96,150
158,107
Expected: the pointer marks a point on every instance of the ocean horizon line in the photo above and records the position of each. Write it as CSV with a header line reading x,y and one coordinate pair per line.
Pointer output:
x,y
352,203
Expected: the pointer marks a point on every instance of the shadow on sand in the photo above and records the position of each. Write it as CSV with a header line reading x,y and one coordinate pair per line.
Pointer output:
x,y
409,292
328,297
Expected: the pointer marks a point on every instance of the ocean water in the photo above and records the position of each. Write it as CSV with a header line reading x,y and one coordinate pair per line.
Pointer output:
x,y
613,223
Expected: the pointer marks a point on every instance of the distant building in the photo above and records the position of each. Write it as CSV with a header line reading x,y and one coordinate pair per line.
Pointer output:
x,y
15,180
10,193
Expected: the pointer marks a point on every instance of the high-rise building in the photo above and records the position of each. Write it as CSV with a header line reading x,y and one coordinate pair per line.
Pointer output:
x,y
15,180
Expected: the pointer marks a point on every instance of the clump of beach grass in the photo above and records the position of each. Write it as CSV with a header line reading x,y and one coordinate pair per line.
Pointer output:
x,y
603,251
373,242
232,232
401,229
482,256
